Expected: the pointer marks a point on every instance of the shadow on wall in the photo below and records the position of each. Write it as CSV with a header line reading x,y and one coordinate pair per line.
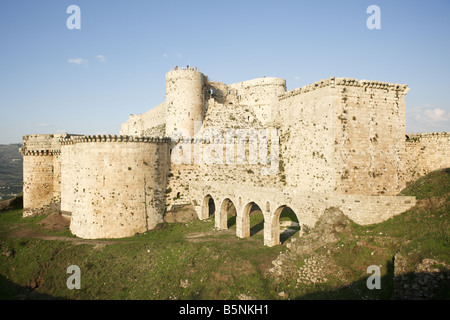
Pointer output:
x,y
211,207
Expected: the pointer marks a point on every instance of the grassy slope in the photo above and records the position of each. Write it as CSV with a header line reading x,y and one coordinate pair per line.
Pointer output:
x,y
216,264
147,266
421,232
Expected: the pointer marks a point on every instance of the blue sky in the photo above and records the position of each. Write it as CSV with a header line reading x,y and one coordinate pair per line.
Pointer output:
x,y
89,81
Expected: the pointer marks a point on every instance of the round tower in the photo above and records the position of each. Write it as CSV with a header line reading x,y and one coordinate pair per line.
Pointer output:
x,y
185,100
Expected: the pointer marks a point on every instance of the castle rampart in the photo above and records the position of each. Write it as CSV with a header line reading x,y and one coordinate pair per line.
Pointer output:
x,y
426,152
350,138
337,142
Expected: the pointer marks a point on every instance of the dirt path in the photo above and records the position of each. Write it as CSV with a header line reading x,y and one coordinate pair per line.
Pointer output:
x,y
56,222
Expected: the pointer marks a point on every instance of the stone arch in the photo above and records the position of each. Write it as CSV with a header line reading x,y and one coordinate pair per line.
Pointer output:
x,y
209,207
276,236
227,207
244,229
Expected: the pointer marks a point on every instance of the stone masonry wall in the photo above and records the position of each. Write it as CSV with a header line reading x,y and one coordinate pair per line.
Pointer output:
x,y
305,118
186,99
41,172
210,162
261,91
37,184
426,152
369,137
149,124
118,185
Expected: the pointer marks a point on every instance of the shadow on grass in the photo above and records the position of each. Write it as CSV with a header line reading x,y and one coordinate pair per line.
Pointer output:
x,y
12,291
15,203
288,233
231,222
411,286
357,290
256,228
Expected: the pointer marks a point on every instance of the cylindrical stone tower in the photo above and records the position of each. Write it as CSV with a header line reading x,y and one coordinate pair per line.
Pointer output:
x,y
185,100
119,185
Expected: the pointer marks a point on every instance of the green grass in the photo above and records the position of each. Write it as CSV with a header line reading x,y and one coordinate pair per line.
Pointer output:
x,y
421,232
218,265
146,266
435,184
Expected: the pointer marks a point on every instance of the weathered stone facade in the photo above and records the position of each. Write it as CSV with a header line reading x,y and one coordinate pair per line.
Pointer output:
x,y
335,143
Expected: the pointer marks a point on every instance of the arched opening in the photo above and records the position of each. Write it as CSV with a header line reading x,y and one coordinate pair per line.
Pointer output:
x,y
285,224
253,221
209,207
227,215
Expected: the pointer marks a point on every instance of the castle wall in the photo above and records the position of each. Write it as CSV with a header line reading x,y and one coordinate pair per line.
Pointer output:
x,y
344,135
149,124
68,181
118,185
222,162
56,197
37,184
41,173
223,116
305,117
369,137
426,152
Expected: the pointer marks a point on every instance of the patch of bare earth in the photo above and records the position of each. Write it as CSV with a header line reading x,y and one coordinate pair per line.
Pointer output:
x,y
208,235
56,222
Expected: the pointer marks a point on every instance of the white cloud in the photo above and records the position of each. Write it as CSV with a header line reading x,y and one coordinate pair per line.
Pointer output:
x,y
78,61
297,78
179,55
436,114
165,55
427,118
100,58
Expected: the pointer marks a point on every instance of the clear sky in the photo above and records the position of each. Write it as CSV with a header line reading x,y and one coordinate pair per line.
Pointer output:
x,y
88,81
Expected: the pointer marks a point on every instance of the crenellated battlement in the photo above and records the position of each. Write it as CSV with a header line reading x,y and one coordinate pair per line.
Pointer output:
x,y
25,152
41,145
112,138
346,82
184,68
416,137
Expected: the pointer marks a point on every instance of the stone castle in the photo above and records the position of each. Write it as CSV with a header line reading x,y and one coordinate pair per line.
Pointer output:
x,y
231,149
